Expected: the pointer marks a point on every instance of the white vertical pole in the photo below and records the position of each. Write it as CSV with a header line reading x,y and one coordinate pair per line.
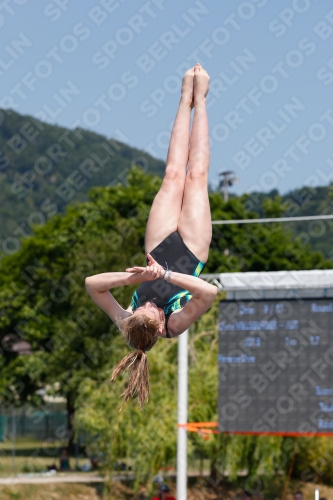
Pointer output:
x,y
13,440
182,416
316,494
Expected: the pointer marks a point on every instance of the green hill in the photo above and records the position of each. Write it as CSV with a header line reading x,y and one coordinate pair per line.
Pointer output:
x,y
45,167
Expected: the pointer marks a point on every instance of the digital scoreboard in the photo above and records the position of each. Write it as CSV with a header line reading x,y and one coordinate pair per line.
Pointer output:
x,y
276,366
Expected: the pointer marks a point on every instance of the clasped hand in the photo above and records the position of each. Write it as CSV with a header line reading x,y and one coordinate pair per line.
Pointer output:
x,y
151,272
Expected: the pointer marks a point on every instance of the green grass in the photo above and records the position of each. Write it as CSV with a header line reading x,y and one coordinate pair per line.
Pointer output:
x,y
26,444
33,456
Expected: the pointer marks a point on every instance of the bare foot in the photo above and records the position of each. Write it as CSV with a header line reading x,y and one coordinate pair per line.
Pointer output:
x,y
187,87
200,83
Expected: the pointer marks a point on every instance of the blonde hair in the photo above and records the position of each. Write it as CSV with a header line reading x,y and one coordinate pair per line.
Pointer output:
x,y
140,333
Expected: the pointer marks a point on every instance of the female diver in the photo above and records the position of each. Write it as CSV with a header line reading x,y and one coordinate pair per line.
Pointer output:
x,y
178,234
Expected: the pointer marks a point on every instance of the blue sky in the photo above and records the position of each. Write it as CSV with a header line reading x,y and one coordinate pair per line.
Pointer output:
x,y
114,67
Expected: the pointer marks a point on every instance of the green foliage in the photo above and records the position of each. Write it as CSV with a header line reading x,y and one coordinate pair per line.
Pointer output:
x,y
257,247
301,202
75,346
314,460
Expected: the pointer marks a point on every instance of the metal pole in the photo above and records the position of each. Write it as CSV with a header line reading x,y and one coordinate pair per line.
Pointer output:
x,y
316,495
225,187
273,219
13,440
77,444
182,416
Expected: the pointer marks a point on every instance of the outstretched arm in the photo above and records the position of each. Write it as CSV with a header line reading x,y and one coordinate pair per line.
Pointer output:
x,y
98,287
106,281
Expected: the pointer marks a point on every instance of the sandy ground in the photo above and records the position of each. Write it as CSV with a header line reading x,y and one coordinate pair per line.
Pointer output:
x,y
55,478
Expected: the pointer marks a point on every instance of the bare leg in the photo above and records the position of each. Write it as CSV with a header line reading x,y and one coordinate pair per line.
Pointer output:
x,y
195,225
166,208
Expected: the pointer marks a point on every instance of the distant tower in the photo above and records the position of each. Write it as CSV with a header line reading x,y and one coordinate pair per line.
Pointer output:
x,y
228,178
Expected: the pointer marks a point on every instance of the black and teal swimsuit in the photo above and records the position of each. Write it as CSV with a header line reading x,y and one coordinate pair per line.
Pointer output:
x,y
174,254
